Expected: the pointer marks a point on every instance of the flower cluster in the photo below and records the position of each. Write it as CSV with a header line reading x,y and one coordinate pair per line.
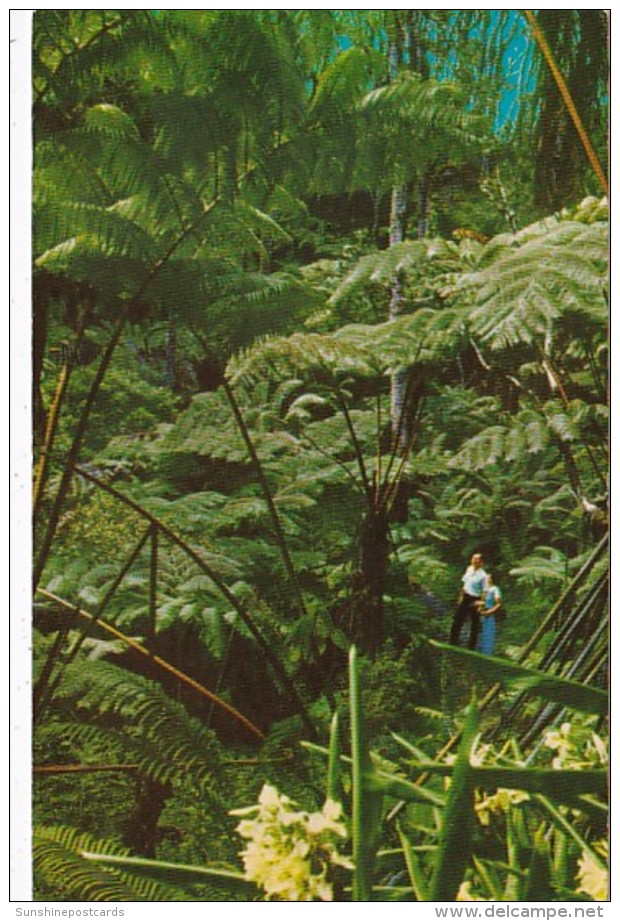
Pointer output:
x,y
290,853
576,746
593,875
499,802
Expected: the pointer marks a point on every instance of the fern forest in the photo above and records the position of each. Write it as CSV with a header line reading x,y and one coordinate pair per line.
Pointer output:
x,y
320,315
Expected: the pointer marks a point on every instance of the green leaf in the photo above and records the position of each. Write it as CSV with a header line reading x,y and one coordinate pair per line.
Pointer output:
x,y
561,786
414,868
457,820
487,873
333,765
567,829
539,885
406,789
559,690
367,801
177,873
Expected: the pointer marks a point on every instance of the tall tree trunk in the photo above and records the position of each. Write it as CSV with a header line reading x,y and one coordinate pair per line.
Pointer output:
x,y
374,552
39,339
424,205
398,386
170,370
398,210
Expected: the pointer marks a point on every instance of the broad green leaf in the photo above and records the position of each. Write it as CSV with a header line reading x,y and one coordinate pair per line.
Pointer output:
x,y
366,805
559,690
177,873
457,820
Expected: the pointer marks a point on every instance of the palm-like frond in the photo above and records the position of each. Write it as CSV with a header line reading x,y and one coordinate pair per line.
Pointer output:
x,y
343,82
121,709
527,434
538,276
418,262
425,107
59,865
545,566
357,350
419,123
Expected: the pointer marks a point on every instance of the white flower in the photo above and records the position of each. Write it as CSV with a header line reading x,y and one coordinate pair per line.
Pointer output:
x,y
593,877
465,894
290,853
499,802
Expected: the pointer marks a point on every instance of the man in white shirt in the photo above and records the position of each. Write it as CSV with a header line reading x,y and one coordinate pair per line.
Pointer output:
x,y
470,600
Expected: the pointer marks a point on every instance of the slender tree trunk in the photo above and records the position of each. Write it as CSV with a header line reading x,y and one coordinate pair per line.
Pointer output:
x,y
398,209
39,338
170,372
424,203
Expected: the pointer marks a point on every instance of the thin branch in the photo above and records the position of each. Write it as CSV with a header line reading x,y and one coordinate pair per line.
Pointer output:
x,y
396,435
82,424
48,439
153,586
334,460
44,691
53,416
359,455
157,660
98,768
167,532
46,672
267,495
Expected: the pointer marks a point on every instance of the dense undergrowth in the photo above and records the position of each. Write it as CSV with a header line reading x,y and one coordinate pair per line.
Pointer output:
x,y
308,333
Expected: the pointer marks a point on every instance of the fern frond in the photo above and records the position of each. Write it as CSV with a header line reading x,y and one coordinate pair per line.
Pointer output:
x,y
299,353
115,235
59,864
426,105
413,259
165,741
544,565
342,83
527,434
550,271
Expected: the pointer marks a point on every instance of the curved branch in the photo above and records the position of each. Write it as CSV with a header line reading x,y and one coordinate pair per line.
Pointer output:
x,y
172,536
162,663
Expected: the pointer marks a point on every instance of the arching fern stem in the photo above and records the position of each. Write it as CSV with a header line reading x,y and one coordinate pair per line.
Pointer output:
x,y
89,402
162,663
172,536
45,686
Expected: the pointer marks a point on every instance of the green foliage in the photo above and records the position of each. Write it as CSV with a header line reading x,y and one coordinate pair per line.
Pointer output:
x,y
211,203
58,861
569,693
165,743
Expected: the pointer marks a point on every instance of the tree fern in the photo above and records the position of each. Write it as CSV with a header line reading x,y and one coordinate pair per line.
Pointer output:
x,y
423,264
